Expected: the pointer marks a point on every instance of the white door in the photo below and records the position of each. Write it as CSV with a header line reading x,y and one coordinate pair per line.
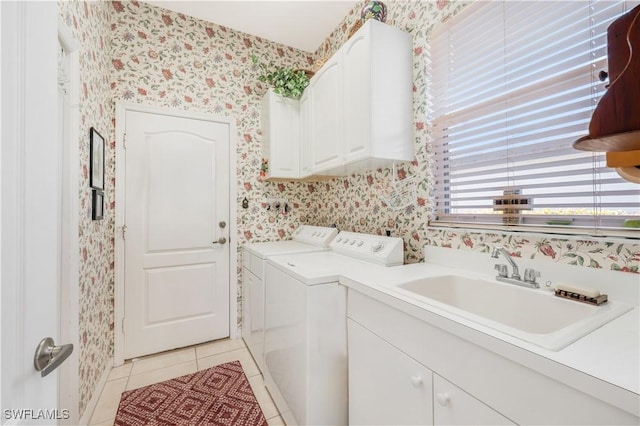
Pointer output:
x,y
30,215
177,228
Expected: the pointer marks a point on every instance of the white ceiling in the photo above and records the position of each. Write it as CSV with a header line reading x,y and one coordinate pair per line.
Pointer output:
x,y
303,24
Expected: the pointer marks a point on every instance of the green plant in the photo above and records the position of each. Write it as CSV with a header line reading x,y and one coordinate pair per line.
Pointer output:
x,y
285,81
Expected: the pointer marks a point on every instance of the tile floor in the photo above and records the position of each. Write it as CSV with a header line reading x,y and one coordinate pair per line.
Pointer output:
x,y
168,365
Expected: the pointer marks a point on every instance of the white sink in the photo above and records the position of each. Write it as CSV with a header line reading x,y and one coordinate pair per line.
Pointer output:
x,y
536,316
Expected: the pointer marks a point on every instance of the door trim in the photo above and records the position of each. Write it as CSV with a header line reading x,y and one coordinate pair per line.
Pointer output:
x,y
69,296
121,110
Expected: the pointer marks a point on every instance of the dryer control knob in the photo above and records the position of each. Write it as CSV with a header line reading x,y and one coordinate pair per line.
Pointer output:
x,y
338,239
377,246
360,243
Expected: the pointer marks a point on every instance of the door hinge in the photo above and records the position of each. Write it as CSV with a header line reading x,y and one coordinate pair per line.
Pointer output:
x,y
122,325
124,232
124,140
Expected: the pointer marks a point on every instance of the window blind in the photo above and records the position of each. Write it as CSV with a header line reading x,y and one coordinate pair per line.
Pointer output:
x,y
514,83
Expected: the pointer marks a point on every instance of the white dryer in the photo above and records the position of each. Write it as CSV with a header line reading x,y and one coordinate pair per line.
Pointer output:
x,y
305,238
305,346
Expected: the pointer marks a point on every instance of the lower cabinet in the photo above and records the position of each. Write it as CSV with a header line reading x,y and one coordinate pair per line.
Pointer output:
x,y
387,386
406,370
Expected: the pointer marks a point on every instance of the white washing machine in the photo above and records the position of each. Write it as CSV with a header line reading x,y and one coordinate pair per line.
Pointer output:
x,y
305,346
306,238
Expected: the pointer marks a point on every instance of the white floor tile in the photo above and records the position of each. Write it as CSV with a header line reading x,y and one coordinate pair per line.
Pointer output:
x,y
107,406
219,346
248,364
275,421
105,423
161,374
120,372
262,395
165,359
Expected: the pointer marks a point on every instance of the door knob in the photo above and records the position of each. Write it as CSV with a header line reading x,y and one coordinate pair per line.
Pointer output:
x,y
221,240
48,356
222,224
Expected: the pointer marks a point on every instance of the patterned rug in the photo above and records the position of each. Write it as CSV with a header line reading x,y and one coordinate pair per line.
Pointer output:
x,y
220,395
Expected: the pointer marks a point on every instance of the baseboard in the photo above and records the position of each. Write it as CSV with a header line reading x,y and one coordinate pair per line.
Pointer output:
x,y
97,391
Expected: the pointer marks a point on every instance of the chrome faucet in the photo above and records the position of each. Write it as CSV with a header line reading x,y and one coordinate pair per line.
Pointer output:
x,y
496,254
530,275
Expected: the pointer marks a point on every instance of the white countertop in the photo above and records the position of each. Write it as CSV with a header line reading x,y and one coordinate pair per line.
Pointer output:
x,y
605,363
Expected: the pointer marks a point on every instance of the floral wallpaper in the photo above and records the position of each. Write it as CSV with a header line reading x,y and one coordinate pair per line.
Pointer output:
x,y
593,253
89,22
136,52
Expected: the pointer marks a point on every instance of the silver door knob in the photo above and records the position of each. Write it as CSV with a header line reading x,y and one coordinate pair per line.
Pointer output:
x,y
48,356
221,240
222,224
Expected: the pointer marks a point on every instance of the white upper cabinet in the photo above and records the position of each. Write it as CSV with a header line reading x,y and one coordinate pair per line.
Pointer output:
x,y
327,119
281,135
377,66
356,114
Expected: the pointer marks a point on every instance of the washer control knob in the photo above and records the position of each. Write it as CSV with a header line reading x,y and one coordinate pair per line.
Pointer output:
x,y
377,246
346,240
360,243
338,239
352,242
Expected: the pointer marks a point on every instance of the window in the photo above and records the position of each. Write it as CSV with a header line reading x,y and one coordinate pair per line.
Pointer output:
x,y
513,86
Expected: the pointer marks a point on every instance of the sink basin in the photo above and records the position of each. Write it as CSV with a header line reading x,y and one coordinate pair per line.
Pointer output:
x,y
536,316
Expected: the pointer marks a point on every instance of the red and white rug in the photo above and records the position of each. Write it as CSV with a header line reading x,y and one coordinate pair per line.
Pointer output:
x,y
220,395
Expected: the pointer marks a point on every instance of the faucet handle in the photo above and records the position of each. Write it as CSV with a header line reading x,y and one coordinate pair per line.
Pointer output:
x,y
530,275
502,269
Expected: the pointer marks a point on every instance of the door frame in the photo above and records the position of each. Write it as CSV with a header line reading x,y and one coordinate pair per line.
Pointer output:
x,y
121,110
69,293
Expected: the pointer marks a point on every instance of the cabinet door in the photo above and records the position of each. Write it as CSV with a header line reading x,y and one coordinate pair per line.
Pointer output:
x,y
356,70
281,135
326,110
386,387
453,406
306,130
253,315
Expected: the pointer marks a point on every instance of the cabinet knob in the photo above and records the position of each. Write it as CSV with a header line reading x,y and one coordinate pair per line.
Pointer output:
x,y
443,399
416,381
